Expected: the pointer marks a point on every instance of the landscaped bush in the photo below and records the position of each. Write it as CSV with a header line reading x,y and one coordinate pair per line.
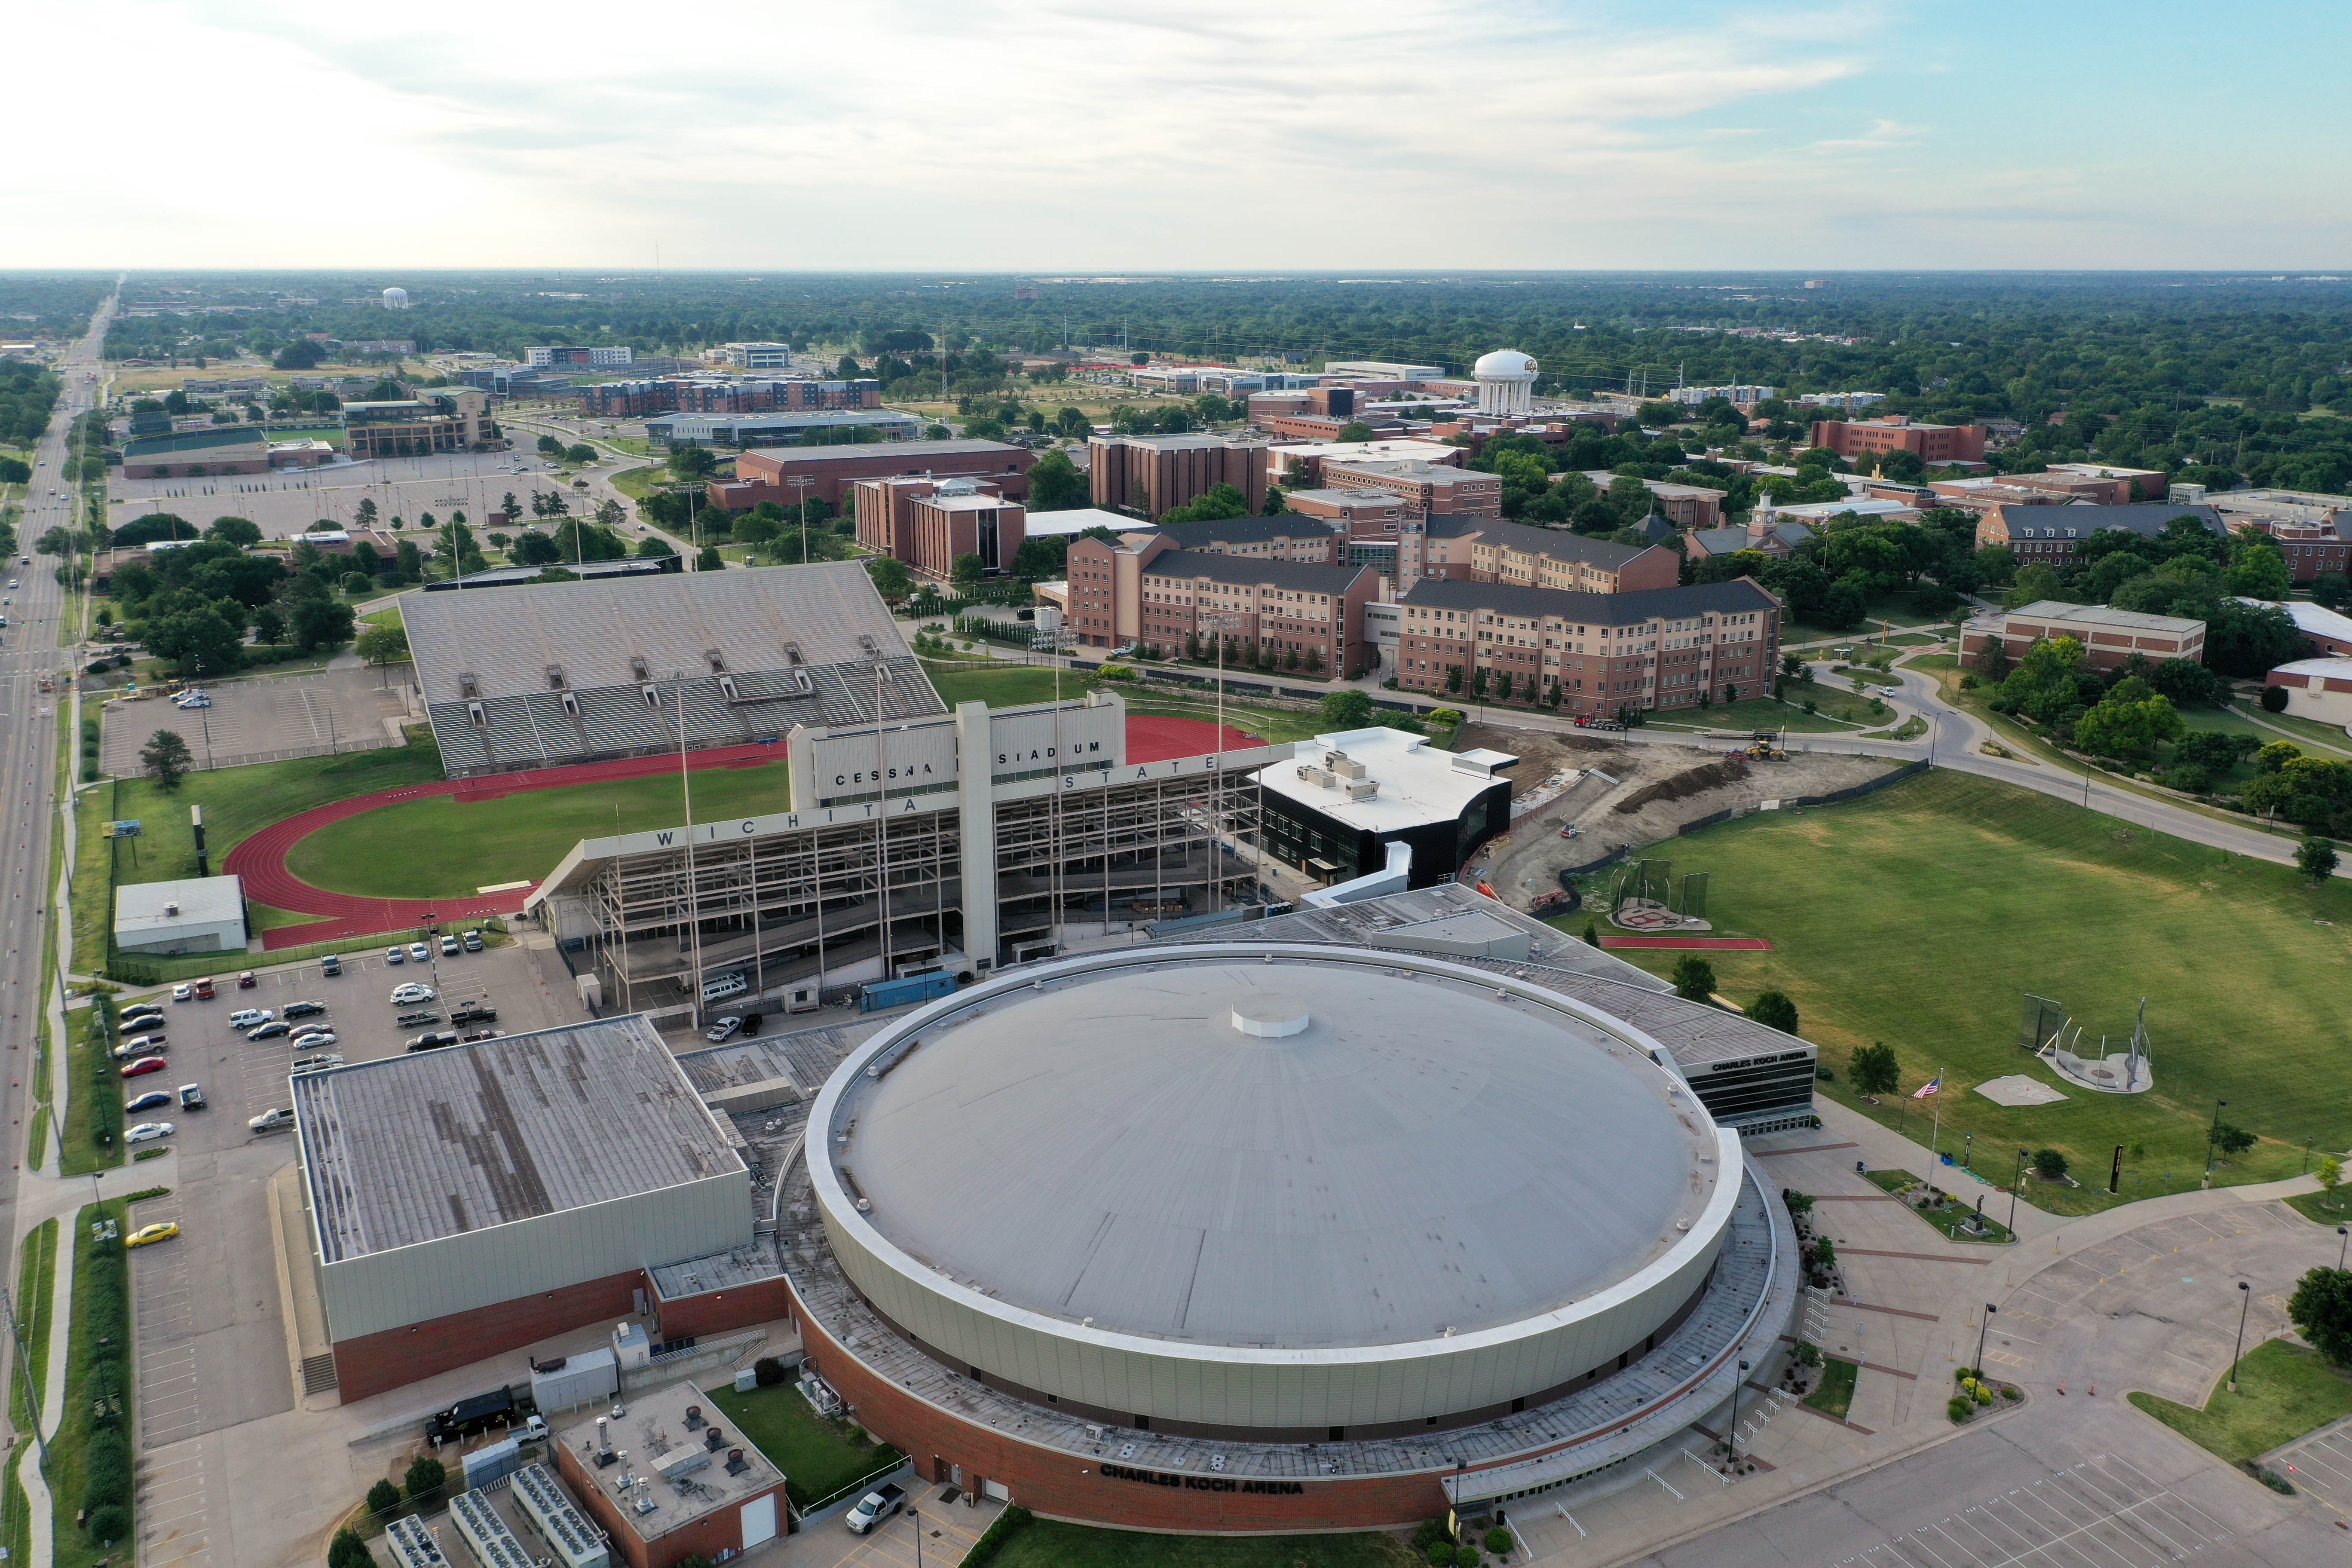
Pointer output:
x,y
1499,1540
2273,698
348,1550
105,1474
1009,1523
2188,780
424,1474
2049,1164
767,1372
108,1524
1959,1409
383,1498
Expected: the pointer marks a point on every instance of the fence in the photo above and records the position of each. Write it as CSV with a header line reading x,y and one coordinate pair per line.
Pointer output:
x,y
901,1469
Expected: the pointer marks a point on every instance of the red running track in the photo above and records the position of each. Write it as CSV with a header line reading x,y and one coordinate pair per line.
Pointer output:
x,y
1702,944
260,860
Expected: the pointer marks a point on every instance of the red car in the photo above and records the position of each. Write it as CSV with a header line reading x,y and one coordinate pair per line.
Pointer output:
x,y
146,1064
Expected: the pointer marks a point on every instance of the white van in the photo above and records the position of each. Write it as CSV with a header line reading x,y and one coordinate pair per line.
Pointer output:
x,y
723,987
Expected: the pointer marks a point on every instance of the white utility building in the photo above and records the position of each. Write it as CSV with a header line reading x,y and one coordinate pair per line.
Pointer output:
x,y
193,914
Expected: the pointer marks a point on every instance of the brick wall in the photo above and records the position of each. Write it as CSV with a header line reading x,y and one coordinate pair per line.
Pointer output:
x,y
718,1311
720,1531
374,1362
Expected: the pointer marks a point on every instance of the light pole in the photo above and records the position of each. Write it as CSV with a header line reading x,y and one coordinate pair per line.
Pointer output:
x,y
2245,1302
1735,1413
2212,1134
1967,1146
2343,1243
801,483
2014,1184
1990,1310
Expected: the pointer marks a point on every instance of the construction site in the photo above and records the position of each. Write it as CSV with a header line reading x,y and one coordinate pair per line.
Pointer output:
x,y
1619,796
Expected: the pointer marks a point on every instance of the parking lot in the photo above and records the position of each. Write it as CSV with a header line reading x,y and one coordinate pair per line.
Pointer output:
x,y
284,504
2101,1512
262,719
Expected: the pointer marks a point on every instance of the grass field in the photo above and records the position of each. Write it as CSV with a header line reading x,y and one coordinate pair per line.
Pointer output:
x,y
1952,896
1835,699
1754,714
2283,1391
440,846
36,1274
2330,1209
2308,731
1945,1221
68,1452
1834,1394
818,1456
237,802
1048,1545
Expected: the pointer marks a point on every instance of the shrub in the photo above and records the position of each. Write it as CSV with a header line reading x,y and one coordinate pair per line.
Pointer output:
x,y
2276,1483
1116,672
767,1372
1959,1409
2009,1391
1428,1533
2273,698
1807,1354
348,1550
1498,1541
110,1524
106,1473
2189,780
1467,1557
425,1473
1441,1554
2049,1164
383,1498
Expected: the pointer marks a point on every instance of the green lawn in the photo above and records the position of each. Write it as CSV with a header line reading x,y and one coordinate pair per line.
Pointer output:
x,y
2330,1209
237,802
96,1107
638,483
1755,714
2282,1393
1895,608
1836,699
441,846
1952,896
36,1274
819,1457
1834,1394
96,1275
2317,734
1045,1543
1945,1221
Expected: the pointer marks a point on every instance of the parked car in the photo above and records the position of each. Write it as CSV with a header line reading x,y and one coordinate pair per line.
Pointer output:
x,y
192,1096
314,1064
723,1030
148,1235
874,1507
332,964
181,993
395,955
205,989
309,1038
433,1040
451,947
477,1014
148,1132
147,1101
246,980
416,1020
271,1032
247,1017
420,952
303,1010
197,700
402,995
145,1065
144,1046
481,1035
137,1015
271,1120
473,942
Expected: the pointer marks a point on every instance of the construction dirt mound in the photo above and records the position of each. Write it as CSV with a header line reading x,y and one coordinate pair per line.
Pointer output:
x,y
1688,783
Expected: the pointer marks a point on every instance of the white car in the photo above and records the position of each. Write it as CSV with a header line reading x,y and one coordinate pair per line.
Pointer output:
x,y
269,1121
420,953
247,1017
181,993
318,1040
721,1029
402,995
148,1132
190,702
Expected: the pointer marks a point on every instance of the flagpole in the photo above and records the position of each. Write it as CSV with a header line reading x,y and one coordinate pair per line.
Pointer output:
x,y
1938,1131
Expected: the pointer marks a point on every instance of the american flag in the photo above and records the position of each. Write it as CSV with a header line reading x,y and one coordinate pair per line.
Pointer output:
x,y
1931,1087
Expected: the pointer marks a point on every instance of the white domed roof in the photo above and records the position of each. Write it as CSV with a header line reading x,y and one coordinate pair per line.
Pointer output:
x,y
1504,363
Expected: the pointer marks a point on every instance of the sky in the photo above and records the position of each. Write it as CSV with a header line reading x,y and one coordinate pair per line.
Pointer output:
x,y
1074,136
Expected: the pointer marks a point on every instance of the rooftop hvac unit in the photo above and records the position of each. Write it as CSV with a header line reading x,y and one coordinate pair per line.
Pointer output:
x,y
1320,778
1346,766
682,1460
1362,789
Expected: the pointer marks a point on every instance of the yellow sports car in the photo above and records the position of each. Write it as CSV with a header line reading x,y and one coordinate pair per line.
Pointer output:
x,y
150,1233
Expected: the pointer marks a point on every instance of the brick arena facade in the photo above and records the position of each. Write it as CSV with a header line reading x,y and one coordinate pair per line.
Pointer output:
x,y
374,1362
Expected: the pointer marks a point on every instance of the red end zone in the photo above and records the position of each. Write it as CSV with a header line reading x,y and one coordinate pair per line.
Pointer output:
x,y
260,860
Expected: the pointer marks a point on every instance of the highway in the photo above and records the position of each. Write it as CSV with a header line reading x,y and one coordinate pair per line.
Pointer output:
x,y
29,648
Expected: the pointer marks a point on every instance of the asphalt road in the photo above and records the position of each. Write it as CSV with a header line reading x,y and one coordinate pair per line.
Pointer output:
x,y
28,649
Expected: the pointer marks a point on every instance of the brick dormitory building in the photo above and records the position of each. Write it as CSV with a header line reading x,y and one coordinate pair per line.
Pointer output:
x,y
1658,648
1150,590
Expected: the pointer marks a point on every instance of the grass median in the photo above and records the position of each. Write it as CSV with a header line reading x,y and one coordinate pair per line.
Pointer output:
x,y
1921,915
2284,1392
90,1464
37,1275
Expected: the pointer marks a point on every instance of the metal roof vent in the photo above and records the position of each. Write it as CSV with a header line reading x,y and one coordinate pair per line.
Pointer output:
x,y
467,684
555,681
718,661
1278,1024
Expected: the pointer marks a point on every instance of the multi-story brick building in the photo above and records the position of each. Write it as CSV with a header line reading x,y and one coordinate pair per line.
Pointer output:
x,y
2049,535
1684,506
928,522
1145,588
1287,536
1153,474
1554,558
1425,488
1298,465
1897,433
706,394
765,473
451,419
2109,636
1591,653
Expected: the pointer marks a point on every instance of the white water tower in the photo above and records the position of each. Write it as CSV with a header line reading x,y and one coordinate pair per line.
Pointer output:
x,y
1506,380
395,299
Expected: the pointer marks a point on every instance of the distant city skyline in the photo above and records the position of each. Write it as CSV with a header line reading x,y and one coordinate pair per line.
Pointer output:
x,y
1207,137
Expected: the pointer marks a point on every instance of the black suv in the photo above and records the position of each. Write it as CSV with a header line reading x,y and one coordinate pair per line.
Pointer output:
x,y
304,1010
474,1015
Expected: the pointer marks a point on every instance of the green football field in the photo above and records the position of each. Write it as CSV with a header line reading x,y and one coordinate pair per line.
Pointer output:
x,y
1921,916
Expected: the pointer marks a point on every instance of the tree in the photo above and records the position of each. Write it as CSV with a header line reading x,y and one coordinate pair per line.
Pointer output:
x,y
890,577
690,464
1347,710
710,560
1056,484
2274,699
15,471
424,1474
237,530
384,642
383,1497
2260,570
580,452
2315,858
1591,933
2231,1138
321,622
2331,590
1694,978
965,572
1356,430
2330,1176
269,624
653,547
202,641
1873,1069
1774,1011
348,1550
1211,505
166,756
2049,1164
2034,584
536,550
549,447
2321,1311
